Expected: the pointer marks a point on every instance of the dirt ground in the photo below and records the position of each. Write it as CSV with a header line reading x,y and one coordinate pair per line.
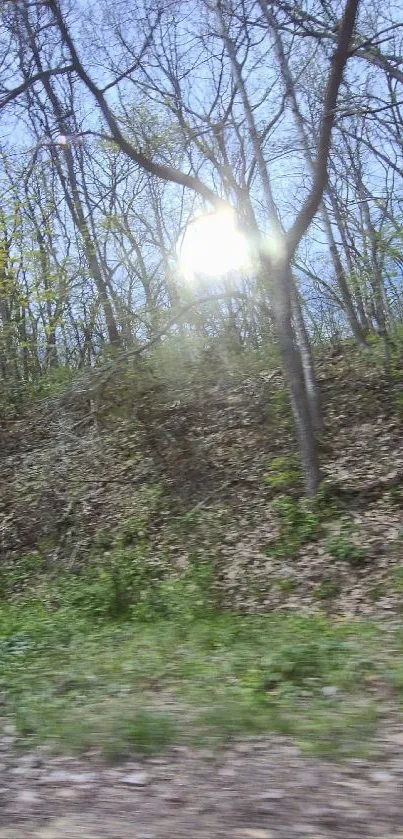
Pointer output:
x,y
255,789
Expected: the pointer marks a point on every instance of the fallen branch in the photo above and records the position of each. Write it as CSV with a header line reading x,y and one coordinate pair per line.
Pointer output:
x,y
372,489
208,497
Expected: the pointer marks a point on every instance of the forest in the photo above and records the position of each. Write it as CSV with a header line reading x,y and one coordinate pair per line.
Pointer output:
x,y
111,143
201,407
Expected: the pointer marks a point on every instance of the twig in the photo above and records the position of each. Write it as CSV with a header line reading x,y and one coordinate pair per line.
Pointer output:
x,y
211,494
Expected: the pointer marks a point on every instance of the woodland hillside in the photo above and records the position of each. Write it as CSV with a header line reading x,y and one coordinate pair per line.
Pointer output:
x,y
208,467
226,173
201,407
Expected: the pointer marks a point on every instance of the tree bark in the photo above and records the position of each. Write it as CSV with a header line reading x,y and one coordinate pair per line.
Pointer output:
x,y
279,273
308,367
303,410
291,93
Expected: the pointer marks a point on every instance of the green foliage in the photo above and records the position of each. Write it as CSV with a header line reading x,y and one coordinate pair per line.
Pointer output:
x,y
342,546
127,581
145,731
79,683
103,540
121,577
19,575
386,352
300,522
398,399
397,579
52,383
189,596
377,592
285,584
231,716
395,494
132,531
121,582
284,473
327,589
113,727
280,408
304,660
340,732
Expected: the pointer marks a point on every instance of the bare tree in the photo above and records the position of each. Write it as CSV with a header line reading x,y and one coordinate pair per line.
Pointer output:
x,y
277,263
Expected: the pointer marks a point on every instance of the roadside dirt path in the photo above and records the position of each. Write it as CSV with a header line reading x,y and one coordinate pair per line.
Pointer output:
x,y
256,789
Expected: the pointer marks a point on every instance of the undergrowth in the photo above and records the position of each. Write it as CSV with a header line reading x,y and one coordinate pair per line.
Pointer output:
x,y
300,519
169,666
124,652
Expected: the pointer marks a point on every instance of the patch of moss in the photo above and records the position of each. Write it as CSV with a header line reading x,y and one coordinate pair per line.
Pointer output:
x,y
327,589
342,546
396,579
284,473
285,584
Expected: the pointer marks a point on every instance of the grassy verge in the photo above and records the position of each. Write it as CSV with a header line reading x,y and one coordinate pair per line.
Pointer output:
x,y
141,684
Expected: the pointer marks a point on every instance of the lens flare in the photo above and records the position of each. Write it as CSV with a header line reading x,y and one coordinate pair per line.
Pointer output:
x,y
213,245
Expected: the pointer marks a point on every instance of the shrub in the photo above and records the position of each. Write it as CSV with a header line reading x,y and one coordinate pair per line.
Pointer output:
x,y
327,589
281,408
122,581
127,582
283,473
342,546
285,584
300,522
300,661
376,592
115,727
397,579
21,574
190,595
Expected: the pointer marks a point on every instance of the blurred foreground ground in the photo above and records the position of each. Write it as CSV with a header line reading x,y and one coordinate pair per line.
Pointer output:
x,y
124,543
256,789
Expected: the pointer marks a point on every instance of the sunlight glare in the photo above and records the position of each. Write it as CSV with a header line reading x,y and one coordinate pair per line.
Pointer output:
x,y
213,245
274,246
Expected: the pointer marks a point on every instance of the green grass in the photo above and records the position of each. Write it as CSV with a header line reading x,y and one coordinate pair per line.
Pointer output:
x,y
139,685
125,655
396,580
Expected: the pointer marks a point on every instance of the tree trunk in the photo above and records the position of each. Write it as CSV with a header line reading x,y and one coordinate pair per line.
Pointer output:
x,y
357,295
306,360
341,280
73,199
279,276
300,404
337,263
23,341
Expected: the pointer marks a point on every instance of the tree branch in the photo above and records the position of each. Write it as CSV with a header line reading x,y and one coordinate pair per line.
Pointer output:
x,y
160,170
338,64
139,58
10,95
366,49
110,367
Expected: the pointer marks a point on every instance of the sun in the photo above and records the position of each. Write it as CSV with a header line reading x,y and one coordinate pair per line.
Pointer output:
x,y
213,245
